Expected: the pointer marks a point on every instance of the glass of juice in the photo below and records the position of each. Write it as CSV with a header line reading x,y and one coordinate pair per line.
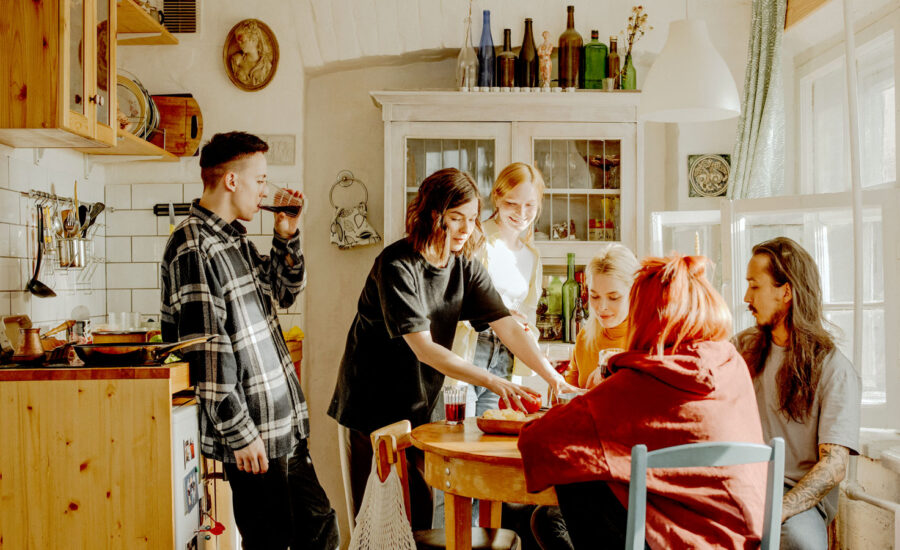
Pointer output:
x,y
455,404
278,199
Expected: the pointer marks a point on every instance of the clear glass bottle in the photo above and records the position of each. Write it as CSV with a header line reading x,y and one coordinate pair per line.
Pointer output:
x,y
595,54
506,63
570,293
527,63
467,61
486,57
613,64
569,53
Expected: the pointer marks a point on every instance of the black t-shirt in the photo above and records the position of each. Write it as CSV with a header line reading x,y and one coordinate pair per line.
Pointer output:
x,y
380,380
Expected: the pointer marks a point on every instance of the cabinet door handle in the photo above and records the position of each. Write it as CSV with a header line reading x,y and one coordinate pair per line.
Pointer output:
x,y
98,99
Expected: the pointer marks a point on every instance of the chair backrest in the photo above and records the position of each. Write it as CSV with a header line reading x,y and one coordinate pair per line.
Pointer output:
x,y
705,455
389,445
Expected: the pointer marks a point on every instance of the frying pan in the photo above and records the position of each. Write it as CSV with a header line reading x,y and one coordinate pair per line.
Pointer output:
x,y
131,354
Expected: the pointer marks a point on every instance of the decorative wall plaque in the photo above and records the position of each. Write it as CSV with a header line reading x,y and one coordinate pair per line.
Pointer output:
x,y
251,55
708,175
282,148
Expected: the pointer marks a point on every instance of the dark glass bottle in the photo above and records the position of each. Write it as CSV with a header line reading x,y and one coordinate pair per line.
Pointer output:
x,y
486,57
595,54
569,53
613,65
570,293
506,63
577,317
527,63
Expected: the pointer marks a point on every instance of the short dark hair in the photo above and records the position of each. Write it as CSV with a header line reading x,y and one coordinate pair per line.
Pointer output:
x,y
224,148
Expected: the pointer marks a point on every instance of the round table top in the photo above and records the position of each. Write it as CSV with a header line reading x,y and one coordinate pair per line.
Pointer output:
x,y
467,442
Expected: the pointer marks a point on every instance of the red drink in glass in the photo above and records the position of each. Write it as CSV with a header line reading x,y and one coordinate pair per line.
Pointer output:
x,y
455,412
455,404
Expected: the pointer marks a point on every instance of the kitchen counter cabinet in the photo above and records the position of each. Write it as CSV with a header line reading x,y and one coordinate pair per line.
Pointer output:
x,y
86,457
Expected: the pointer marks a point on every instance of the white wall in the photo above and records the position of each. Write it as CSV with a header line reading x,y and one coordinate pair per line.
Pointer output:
x,y
56,171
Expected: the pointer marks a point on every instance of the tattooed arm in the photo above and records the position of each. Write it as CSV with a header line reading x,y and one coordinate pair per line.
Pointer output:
x,y
818,482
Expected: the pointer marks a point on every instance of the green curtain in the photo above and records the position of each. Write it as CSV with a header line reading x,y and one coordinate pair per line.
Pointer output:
x,y
757,163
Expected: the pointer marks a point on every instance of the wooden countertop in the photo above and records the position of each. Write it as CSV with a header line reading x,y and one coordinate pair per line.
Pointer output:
x,y
175,371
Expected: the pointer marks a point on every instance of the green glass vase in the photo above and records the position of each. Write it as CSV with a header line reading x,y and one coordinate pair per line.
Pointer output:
x,y
629,78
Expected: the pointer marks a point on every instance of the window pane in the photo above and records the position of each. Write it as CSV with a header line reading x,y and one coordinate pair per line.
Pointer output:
x,y
476,157
873,366
835,261
831,167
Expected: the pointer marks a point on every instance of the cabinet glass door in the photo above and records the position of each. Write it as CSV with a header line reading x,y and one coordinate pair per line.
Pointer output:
x,y
78,58
103,97
479,149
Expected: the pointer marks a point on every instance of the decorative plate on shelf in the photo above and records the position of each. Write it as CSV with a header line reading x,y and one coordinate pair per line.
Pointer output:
x,y
708,175
133,104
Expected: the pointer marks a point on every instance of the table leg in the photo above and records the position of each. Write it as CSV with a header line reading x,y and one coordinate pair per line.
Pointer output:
x,y
489,514
458,522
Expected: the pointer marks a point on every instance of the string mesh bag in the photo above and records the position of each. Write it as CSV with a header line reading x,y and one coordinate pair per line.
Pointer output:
x,y
381,523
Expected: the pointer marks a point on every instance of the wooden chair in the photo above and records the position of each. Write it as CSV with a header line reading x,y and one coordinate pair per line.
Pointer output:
x,y
390,444
700,455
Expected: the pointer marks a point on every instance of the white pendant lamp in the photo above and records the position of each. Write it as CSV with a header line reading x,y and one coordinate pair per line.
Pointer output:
x,y
689,82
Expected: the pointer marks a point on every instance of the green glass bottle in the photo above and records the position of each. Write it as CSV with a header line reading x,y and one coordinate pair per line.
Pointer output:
x,y
570,292
595,53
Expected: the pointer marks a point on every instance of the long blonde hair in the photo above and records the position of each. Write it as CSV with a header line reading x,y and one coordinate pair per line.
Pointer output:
x,y
510,178
616,261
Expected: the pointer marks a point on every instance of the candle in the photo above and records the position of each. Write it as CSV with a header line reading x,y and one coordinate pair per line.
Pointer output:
x,y
696,243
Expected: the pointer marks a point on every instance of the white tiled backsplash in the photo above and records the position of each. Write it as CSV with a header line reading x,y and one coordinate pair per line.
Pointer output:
x,y
136,239
55,170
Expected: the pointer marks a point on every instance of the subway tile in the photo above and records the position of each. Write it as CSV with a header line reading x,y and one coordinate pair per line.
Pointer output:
x,y
145,195
5,242
48,309
118,196
142,275
148,249
20,175
20,302
118,249
9,206
4,303
118,300
125,223
192,191
10,278
4,171
162,224
18,241
145,301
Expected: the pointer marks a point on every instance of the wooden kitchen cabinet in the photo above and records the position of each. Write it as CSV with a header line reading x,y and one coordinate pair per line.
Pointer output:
x,y
586,144
58,76
86,457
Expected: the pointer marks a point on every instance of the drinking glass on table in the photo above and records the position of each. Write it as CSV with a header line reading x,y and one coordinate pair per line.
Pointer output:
x,y
278,199
455,404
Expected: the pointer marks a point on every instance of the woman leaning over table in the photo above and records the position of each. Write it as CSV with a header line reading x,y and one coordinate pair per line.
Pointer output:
x,y
514,265
398,346
609,277
680,381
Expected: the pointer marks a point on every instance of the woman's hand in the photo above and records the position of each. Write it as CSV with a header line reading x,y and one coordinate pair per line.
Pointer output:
x,y
559,385
509,392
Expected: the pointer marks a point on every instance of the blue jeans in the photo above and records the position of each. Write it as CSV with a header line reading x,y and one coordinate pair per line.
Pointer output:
x,y
490,354
804,531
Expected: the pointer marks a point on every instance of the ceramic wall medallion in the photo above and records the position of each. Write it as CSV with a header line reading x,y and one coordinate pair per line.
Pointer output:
x,y
250,55
281,149
708,175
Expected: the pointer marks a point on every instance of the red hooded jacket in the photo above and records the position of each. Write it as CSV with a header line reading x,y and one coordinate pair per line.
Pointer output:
x,y
700,392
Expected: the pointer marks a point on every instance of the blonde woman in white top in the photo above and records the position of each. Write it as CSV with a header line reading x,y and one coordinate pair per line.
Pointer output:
x,y
514,265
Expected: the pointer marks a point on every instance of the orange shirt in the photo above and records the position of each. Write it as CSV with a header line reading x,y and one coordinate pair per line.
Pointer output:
x,y
585,357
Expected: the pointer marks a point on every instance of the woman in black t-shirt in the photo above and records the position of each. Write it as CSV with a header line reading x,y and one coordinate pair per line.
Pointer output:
x,y
398,347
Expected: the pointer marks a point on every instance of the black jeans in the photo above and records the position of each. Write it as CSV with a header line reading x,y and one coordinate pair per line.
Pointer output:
x,y
593,515
284,507
420,501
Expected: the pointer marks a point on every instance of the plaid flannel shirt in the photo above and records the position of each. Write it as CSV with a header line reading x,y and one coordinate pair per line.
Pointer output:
x,y
214,281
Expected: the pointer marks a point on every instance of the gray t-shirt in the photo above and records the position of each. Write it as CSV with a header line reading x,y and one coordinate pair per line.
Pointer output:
x,y
834,418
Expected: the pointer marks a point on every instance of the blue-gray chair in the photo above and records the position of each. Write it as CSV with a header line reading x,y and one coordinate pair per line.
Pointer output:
x,y
700,455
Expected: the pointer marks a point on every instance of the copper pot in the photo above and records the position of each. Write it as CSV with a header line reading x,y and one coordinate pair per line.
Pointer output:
x,y
29,348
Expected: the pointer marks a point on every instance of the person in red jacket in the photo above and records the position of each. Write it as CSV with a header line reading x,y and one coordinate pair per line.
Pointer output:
x,y
680,381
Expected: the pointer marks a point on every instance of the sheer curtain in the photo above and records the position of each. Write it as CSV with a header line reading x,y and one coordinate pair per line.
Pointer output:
x,y
758,158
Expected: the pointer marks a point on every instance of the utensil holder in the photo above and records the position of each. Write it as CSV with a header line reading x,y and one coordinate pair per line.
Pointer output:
x,y
73,252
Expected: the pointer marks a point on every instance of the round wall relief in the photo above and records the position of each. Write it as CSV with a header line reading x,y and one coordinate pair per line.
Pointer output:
x,y
708,175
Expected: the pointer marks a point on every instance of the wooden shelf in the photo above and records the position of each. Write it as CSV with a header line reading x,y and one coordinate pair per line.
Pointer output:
x,y
129,144
133,19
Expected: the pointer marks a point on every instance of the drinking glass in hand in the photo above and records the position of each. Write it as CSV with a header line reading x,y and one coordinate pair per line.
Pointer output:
x,y
278,199
455,404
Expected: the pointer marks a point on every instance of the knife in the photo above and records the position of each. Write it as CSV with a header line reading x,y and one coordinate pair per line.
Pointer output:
x,y
171,218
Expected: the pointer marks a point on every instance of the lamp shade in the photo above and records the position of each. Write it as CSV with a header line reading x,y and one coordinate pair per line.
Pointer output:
x,y
689,82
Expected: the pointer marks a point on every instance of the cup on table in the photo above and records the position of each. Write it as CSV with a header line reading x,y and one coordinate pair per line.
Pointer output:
x,y
278,199
454,404
603,360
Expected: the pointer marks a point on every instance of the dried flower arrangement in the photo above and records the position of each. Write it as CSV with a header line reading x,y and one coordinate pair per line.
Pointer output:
x,y
637,27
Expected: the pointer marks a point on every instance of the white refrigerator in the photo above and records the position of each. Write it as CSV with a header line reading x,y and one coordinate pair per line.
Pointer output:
x,y
188,490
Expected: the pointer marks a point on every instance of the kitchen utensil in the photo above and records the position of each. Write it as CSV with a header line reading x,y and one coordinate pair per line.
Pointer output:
x,y
118,355
82,215
181,123
76,210
34,286
96,209
12,324
72,252
56,227
65,325
171,218
29,349
121,336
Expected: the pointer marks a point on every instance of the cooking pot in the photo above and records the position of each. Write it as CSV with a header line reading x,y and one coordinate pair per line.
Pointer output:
x,y
132,354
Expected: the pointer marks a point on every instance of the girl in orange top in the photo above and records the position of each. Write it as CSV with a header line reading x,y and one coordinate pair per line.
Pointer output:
x,y
609,278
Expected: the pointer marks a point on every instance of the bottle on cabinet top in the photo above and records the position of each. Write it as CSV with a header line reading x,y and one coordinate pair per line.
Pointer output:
x,y
506,63
613,64
486,57
527,63
569,53
595,54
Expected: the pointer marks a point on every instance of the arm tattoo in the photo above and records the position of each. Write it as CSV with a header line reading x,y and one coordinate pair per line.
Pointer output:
x,y
824,476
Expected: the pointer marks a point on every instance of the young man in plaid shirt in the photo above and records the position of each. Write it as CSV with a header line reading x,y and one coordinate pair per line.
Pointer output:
x,y
253,415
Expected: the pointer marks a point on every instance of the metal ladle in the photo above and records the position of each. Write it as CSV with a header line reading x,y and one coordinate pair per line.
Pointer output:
x,y
34,286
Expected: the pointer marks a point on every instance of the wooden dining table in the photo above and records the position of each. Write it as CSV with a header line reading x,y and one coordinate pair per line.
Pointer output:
x,y
466,463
